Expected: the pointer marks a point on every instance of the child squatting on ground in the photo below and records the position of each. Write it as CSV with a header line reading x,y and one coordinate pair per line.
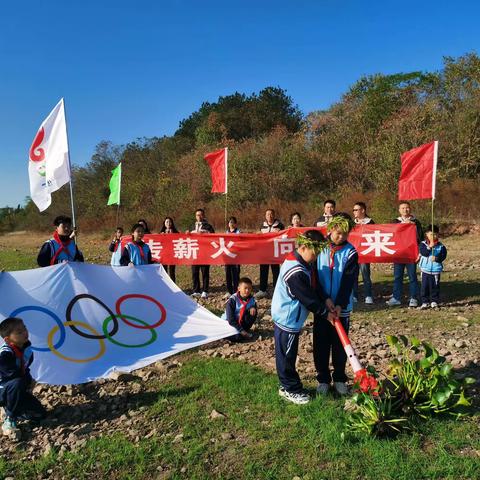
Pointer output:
x,y
296,294
432,255
241,310
16,356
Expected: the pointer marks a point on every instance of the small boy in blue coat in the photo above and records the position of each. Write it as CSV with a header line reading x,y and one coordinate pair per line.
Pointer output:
x,y
296,294
432,255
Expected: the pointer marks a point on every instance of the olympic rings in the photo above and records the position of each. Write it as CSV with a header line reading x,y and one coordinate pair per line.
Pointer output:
x,y
86,326
94,335
72,325
145,297
51,314
116,342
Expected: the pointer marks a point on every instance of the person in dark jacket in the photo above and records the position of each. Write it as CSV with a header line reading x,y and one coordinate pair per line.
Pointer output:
x,y
232,272
360,217
61,247
271,224
116,247
168,226
399,268
201,226
16,357
136,251
329,207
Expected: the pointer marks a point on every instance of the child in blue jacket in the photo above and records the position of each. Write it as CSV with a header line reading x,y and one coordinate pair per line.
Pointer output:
x,y
136,252
432,255
296,294
337,268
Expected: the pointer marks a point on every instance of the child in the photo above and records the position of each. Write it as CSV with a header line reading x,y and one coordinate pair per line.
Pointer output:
x,y
232,272
62,247
241,310
294,296
296,220
116,247
169,227
432,254
136,252
16,356
337,268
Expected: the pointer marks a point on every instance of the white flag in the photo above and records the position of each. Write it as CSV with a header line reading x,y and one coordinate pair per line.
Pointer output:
x,y
49,165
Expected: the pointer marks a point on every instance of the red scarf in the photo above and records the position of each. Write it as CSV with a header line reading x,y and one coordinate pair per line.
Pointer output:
x,y
19,354
140,248
243,307
333,250
63,247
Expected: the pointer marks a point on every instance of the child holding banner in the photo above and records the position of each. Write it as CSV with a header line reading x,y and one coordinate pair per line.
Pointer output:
x,y
241,310
116,247
136,251
296,294
16,356
61,247
337,268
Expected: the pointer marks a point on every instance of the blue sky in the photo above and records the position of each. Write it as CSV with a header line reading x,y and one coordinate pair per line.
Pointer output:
x,y
130,69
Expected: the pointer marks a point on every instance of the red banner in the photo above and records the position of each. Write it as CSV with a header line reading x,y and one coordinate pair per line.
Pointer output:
x,y
378,243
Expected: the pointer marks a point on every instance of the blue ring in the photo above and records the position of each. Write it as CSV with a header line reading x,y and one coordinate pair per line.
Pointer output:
x,y
61,326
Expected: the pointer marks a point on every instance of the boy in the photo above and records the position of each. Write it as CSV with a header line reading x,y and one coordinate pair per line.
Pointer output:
x,y
136,252
271,224
201,226
294,296
62,247
16,356
360,217
241,310
432,254
337,268
116,247
398,268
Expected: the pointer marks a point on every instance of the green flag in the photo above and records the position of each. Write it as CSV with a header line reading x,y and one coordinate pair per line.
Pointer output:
x,y
115,184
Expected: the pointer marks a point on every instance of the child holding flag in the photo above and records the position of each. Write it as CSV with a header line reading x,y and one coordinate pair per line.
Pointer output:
x,y
296,294
136,251
337,268
116,248
61,247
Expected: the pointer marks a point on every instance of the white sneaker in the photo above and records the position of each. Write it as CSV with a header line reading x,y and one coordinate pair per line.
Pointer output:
x,y
260,294
393,302
323,388
204,295
195,295
341,388
423,306
434,305
368,300
413,303
299,398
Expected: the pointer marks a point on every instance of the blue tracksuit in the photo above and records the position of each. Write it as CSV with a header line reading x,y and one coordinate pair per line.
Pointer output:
x,y
430,289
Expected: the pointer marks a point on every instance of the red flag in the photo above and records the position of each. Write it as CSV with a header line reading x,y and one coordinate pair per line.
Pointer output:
x,y
217,161
419,169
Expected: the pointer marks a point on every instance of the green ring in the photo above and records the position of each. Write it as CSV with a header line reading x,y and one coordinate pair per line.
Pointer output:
x,y
108,337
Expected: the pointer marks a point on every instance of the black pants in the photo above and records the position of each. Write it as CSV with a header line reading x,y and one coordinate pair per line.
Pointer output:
x,y
16,400
264,275
430,290
170,269
196,269
232,275
326,340
286,350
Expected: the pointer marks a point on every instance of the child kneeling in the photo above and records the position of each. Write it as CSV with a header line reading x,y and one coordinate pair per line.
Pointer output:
x,y
241,310
296,293
16,356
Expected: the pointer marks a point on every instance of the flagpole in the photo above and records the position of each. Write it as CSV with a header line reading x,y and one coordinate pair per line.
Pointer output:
x,y
226,185
119,193
71,176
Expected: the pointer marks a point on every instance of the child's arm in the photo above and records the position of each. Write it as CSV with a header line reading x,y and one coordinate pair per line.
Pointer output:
x,y
78,256
149,257
44,255
111,247
350,272
442,255
8,366
125,258
425,250
299,287
230,314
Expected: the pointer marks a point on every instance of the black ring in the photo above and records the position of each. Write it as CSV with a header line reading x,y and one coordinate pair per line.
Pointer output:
x,y
68,316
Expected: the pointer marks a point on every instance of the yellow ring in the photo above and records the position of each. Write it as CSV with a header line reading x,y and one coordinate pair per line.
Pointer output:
x,y
54,330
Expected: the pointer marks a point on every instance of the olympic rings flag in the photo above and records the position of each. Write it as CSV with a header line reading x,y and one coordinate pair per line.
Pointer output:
x,y
86,321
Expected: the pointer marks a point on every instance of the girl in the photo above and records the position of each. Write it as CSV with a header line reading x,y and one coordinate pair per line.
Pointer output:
x,y
296,220
232,272
136,252
169,227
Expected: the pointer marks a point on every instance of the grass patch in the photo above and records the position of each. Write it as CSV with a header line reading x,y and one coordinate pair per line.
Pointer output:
x,y
261,436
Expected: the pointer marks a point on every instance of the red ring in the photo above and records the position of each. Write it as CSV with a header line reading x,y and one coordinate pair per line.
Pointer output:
x,y
145,297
